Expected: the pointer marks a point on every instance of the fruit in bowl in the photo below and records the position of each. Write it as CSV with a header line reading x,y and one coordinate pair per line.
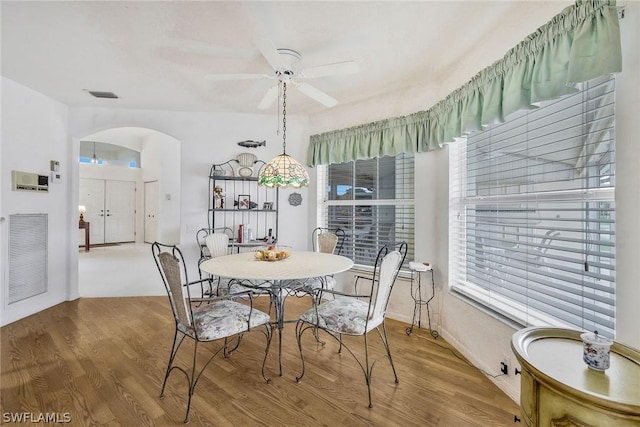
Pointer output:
x,y
272,254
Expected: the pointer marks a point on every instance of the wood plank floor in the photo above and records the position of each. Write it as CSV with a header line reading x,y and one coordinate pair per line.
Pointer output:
x,y
102,362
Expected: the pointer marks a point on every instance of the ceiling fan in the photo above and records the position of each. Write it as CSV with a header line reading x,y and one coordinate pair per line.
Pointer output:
x,y
286,64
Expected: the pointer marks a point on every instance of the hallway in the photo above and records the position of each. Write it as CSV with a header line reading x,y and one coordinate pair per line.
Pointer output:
x,y
118,271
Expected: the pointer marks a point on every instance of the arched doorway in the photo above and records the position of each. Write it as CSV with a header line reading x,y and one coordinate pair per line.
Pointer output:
x,y
114,268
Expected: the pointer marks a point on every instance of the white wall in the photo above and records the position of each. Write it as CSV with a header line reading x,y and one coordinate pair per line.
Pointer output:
x,y
34,131
160,160
131,138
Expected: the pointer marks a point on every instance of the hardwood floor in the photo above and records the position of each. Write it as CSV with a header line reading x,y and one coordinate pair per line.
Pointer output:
x,y
101,362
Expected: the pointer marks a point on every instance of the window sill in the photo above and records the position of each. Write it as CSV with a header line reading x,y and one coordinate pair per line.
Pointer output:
x,y
485,309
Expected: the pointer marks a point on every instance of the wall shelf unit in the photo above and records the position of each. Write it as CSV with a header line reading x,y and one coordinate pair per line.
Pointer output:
x,y
237,201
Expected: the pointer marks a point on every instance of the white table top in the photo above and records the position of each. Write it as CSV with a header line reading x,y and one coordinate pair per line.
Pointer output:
x,y
300,265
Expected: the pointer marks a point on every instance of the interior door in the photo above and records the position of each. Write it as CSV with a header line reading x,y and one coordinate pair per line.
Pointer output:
x,y
92,197
151,211
120,211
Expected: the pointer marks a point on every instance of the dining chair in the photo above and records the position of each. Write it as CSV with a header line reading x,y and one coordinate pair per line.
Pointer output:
x,y
214,243
328,240
215,318
367,278
354,314
324,240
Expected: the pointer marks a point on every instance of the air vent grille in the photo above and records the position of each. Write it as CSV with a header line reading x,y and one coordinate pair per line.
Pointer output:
x,y
98,94
28,251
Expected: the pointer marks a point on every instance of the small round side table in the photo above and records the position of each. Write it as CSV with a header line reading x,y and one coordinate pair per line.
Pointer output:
x,y
416,293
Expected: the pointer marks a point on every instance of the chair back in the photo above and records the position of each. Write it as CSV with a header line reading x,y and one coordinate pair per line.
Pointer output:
x,y
201,236
171,266
328,241
217,243
388,263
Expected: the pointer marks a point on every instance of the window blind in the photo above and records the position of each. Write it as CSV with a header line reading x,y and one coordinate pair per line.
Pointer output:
x,y
532,213
372,201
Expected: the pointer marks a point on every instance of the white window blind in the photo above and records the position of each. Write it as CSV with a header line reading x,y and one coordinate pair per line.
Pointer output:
x,y
372,201
532,213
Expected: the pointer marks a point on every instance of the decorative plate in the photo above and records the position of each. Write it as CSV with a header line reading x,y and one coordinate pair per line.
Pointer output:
x,y
245,172
246,159
295,199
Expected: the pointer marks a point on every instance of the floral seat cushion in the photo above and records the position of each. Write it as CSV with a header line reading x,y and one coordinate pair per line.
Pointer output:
x,y
341,315
225,318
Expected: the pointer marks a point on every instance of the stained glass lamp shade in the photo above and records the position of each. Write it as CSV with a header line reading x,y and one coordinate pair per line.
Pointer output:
x,y
283,171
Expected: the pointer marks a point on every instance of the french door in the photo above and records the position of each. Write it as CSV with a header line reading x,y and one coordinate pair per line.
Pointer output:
x,y
111,209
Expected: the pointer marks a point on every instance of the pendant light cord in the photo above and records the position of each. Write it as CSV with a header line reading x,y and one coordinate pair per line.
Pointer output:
x,y
284,117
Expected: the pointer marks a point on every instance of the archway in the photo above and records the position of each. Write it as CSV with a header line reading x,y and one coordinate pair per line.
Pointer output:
x,y
124,269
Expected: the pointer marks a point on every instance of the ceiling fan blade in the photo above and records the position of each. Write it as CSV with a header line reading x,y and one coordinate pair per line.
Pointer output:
x,y
269,50
237,77
269,98
316,94
257,14
339,68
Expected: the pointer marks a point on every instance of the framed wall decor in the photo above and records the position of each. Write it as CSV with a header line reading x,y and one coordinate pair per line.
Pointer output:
x,y
295,199
244,201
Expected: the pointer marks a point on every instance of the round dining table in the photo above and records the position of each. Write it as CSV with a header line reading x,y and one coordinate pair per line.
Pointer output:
x,y
274,276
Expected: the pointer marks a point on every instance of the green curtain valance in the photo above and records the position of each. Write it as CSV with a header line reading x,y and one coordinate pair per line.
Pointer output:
x,y
579,44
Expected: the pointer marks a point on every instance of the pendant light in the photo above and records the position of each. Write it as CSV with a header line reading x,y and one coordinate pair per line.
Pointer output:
x,y
94,158
284,170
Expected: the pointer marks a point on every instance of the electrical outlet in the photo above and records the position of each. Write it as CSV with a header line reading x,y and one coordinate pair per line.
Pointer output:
x,y
504,365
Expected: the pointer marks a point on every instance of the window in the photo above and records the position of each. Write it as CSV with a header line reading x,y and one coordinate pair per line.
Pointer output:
x,y
372,201
109,154
532,213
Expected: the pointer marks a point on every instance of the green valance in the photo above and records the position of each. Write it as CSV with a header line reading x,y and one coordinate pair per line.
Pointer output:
x,y
579,44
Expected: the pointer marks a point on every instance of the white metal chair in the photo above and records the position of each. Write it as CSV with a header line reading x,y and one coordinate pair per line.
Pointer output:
x,y
214,243
214,318
327,241
356,314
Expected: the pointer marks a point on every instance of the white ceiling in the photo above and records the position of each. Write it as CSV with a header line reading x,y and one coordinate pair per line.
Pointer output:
x,y
155,55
